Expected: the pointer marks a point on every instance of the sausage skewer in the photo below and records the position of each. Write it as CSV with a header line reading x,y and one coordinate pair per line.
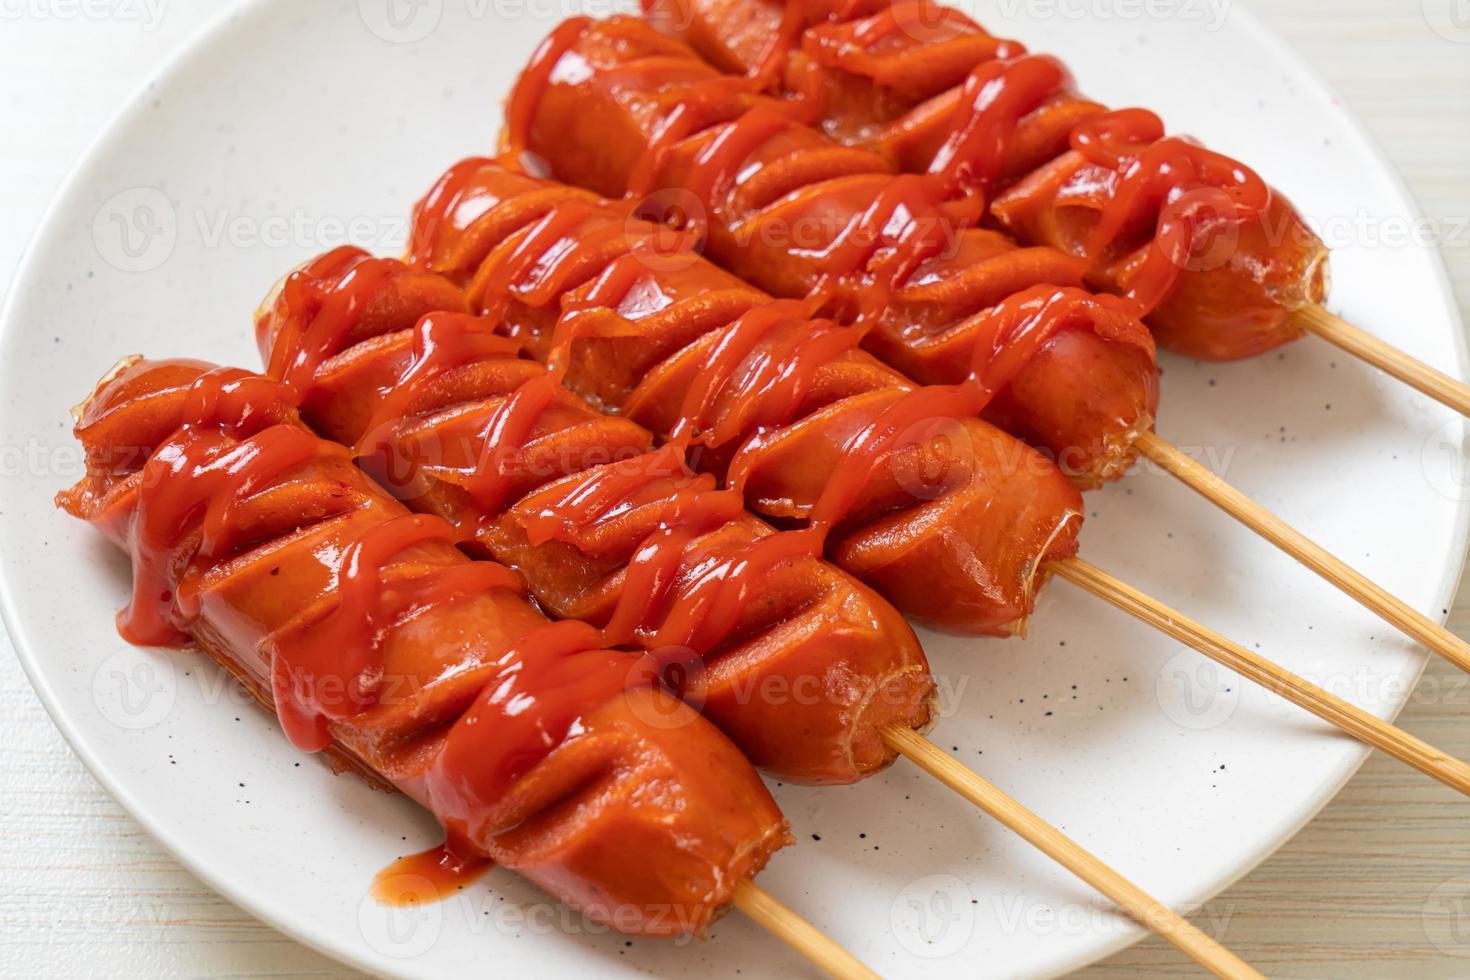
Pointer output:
x,y
337,331
780,203
1217,257
577,280
759,632
373,638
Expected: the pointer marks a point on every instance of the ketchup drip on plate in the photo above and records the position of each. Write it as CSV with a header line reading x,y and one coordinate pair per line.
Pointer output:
x,y
429,876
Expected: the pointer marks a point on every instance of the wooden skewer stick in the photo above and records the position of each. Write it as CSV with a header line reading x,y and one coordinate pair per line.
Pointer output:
x,y
1139,905
799,934
1384,356
1329,707
1392,609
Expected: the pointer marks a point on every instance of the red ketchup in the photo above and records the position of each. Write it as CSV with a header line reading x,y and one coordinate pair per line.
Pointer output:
x,y
1187,186
429,876
335,670
533,269
331,293
532,706
202,467
1182,190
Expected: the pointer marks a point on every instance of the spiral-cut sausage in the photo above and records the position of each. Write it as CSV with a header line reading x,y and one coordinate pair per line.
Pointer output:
x,y
946,516
1219,260
795,213
794,660
373,635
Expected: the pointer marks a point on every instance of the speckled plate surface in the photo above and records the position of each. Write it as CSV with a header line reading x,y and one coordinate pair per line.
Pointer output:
x,y
292,127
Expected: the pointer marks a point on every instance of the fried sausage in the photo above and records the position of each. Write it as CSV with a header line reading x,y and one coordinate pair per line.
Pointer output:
x,y
1219,260
796,661
374,636
946,516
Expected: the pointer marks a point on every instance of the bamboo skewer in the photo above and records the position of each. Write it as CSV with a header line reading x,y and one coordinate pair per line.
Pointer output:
x,y
1329,707
1139,905
799,934
1260,520
1384,356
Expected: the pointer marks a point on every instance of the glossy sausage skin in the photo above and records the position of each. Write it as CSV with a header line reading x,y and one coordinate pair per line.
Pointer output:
x,y
893,77
791,196
813,664
954,530
578,818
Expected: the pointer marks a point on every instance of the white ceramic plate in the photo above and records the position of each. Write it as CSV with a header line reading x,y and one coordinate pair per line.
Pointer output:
x,y
292,127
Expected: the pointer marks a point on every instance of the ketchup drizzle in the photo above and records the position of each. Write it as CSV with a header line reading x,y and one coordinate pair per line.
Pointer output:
x,y
1187,186
332,292
520,109
1185,189
334,670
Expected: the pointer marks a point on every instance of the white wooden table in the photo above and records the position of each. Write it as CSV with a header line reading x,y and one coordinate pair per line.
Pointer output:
x,y
87,893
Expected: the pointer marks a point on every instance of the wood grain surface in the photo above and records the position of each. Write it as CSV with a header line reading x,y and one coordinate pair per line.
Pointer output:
x,y
1377,886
